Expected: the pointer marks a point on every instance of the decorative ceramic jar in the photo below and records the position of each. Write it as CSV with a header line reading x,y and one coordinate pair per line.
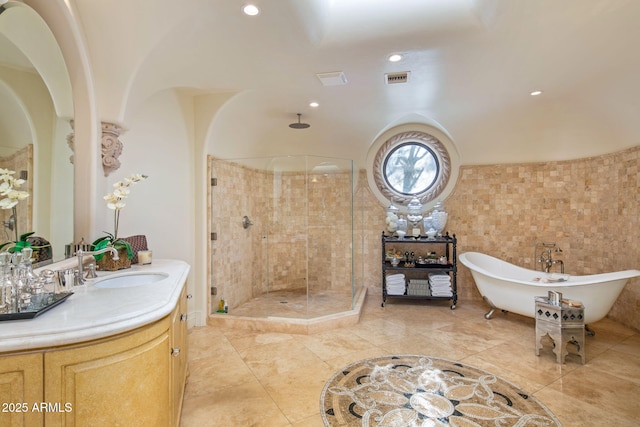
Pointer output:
x,y
439,218
414,215
392,218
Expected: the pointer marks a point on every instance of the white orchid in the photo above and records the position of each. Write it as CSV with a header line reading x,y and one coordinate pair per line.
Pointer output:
x,y
11,196
8,185
121,191
115,201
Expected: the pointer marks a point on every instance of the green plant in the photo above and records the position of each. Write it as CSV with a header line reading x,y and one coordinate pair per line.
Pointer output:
x,y
19,244
115,201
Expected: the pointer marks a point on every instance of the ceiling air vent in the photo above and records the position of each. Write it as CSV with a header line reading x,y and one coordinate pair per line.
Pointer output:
x,y
393,78
332,79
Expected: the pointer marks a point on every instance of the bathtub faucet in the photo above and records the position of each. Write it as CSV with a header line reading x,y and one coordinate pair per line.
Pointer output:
x,y
546,256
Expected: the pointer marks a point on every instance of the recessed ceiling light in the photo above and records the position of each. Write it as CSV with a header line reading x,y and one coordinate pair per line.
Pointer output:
x,y
314,104
395,57
251,9
536,93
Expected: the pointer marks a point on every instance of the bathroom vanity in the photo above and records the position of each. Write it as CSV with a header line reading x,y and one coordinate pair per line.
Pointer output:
x,y
419,266
110,355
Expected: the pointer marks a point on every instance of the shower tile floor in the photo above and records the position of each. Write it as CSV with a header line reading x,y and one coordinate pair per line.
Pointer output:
x,y
249,378
295,303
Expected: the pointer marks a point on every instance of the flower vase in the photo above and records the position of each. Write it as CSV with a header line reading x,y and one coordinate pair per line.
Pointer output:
x,y
107,263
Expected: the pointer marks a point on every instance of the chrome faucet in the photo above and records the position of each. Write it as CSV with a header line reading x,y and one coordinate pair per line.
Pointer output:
x,y
82,253
546,257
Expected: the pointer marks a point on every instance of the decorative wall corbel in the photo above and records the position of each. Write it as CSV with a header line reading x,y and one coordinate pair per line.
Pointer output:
x,y
111,147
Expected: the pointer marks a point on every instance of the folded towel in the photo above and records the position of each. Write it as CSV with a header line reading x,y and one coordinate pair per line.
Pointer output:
x,y
395,290
441,293
396,285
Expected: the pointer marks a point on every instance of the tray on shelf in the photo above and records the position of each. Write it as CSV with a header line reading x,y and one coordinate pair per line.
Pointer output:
x,y
30,314
432,265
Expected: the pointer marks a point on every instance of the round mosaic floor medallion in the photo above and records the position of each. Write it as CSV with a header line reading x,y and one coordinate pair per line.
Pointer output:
x,y
412,390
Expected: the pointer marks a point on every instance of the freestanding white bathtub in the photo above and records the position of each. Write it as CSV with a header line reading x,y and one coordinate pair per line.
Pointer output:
x,y
511,288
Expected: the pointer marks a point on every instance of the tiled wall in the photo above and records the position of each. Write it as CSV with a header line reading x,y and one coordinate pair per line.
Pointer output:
x,y
590,207
301,231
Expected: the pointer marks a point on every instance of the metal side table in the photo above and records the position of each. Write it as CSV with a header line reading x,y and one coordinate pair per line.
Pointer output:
x,y
564,323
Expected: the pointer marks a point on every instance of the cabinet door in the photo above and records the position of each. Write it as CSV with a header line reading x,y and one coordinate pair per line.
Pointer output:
x,y
179,355
123,381
20,390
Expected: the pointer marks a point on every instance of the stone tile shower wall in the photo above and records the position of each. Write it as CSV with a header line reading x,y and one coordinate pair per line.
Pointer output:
x,y
299,213
310,213
237,261
590,207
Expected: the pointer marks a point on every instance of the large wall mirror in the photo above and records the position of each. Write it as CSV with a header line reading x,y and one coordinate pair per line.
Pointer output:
x,y
36,108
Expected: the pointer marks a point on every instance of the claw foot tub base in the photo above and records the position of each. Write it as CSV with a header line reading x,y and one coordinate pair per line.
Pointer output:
x,y
489,313
510,288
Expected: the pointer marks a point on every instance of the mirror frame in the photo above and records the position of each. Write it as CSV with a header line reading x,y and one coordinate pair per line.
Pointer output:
x,y
26,29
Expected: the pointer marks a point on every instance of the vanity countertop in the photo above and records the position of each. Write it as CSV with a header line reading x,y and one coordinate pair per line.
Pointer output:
x,y
92,313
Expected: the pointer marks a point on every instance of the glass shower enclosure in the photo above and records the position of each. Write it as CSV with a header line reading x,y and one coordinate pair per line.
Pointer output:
x,y
283,234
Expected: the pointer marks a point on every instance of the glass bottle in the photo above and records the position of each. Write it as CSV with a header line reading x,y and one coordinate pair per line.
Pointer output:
x,y
29,275
401,230
6,284
20,278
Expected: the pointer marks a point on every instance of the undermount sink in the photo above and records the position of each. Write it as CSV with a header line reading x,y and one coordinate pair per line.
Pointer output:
x,y
129,280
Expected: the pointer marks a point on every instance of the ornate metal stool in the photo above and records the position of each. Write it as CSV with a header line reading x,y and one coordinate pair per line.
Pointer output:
x,y
563,323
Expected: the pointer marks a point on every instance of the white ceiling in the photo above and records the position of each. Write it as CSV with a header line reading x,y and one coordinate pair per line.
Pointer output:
x,y
472,63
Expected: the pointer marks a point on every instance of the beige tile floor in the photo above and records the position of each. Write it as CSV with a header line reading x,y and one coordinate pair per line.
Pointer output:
x,y
240,378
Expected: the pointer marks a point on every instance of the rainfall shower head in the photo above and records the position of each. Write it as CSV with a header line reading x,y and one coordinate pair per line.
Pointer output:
x,y
299,125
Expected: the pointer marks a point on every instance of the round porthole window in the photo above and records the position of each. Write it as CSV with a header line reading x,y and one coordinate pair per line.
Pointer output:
x,y
408,164
410,168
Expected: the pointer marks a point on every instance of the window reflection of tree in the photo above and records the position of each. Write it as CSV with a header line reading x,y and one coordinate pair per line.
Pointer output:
x,y
408,168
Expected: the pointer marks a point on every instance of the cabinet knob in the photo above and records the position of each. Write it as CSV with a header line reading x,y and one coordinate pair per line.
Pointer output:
x,y
175,351
183,317
189,296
